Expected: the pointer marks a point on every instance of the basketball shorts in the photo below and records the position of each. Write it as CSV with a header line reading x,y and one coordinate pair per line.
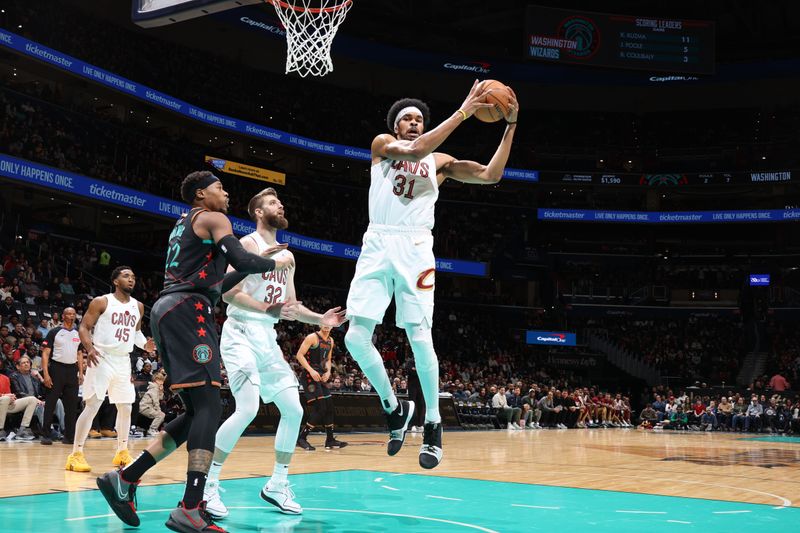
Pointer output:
x,y
112,375
315,390
394,261
183,327
250,351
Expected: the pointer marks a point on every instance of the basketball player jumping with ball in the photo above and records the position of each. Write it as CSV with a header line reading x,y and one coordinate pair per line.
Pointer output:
x,y
397,253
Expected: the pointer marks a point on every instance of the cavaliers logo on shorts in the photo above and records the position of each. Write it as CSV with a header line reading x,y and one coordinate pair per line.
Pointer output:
x,y
426,279
202,353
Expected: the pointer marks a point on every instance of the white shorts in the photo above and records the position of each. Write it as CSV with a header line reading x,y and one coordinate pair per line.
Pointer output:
x,y
250,351
399,262
113,375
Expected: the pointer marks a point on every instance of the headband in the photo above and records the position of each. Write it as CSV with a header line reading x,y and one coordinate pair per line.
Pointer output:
x,y
205,181
405,111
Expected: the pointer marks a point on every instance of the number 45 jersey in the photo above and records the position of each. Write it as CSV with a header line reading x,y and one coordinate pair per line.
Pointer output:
x,y
115,328
403,193
269,287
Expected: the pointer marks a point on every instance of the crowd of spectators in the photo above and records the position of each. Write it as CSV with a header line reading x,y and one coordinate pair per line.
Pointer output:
x,y
712,410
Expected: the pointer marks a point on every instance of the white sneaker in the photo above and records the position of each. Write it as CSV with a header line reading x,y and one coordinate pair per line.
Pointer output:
x,y
509,426
515,425
151,433
281,496
214,504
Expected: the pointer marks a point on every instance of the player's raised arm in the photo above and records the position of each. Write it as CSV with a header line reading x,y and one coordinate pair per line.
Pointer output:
x,y
472,172
408,119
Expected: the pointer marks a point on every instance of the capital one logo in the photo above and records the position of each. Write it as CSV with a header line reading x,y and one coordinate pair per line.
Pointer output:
x,y
475,66
555,337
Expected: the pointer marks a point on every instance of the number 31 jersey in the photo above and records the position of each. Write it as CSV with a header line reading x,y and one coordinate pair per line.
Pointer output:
x,y
403,193
269,287
115,328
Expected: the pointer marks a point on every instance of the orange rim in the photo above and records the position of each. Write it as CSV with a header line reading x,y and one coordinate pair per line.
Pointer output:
x,y
315,10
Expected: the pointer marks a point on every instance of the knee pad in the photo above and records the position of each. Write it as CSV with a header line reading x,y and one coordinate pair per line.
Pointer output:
x,y
421,341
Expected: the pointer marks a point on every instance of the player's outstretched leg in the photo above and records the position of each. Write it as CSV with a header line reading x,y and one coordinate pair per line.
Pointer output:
x,y
228,435
398,413
427,364
277,490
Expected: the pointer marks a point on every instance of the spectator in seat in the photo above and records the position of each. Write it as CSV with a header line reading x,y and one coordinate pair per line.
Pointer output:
x,y
753,415
708,420
150,404
42,328
549,410
648,417
568,416
508,414
724,413
739,414
146,374
660,407
9,403
696,413
531,411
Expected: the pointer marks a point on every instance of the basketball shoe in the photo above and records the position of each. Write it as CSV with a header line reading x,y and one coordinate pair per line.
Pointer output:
x,y
398,421
214,504
279,494
122,458
120,495
76,462
192,520
333,443
430,453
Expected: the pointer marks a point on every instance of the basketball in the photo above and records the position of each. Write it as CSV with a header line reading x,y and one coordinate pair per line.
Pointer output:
x,y
500,97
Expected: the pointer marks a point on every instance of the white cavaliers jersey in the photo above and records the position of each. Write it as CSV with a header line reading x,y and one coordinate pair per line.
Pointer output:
x,y
403,193
115,330
268,287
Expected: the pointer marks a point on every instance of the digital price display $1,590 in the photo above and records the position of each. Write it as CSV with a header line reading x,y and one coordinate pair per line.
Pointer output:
x,y
620,41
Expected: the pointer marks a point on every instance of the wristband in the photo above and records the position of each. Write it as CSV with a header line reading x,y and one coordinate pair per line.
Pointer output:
x,y
463,114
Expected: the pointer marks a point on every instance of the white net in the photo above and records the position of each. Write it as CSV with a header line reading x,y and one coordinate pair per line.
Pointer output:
x,y
310,26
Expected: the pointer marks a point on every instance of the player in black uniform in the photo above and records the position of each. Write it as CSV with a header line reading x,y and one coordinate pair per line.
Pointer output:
x,y
314,356
182,322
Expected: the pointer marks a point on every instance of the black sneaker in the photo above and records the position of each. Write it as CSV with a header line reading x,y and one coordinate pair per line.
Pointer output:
x,y
430,453
45,440
192,520
303,443
120,495
333,443
398,421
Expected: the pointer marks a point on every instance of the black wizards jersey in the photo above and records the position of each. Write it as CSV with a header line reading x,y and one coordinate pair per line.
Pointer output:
x,y
318,357
193,264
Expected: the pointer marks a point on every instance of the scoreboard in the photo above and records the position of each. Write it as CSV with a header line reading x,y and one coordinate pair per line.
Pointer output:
x,y
619,41
668,180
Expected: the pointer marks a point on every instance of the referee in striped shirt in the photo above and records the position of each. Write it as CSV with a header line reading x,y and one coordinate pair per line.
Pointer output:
x,y
63,374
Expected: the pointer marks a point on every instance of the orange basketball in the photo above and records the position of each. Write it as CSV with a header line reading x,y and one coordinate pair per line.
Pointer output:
x,y
500,97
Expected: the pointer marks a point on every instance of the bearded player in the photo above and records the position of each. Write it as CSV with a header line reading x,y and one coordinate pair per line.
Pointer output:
x,y
397,253
109,330
254,361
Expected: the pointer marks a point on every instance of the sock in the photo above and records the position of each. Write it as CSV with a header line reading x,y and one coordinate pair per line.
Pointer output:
x,y
280,473
213,471
134,471
329,432
195,483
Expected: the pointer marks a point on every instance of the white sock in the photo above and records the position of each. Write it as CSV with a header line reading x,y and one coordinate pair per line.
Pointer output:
x,y
213,471
280,473
123,425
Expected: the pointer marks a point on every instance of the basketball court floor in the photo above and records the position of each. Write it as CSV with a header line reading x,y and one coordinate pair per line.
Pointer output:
x,y
576,480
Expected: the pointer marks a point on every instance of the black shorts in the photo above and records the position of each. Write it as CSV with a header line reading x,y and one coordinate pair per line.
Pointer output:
x,y
315,390
183,327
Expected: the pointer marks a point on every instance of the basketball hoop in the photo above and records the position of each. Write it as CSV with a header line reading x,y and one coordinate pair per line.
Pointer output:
x,y
310,26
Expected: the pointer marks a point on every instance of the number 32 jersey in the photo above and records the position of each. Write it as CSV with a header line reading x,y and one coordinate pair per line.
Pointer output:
x,y
403,193
268,287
